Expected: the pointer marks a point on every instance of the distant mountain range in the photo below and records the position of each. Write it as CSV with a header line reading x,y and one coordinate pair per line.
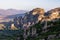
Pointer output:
x,y
10,13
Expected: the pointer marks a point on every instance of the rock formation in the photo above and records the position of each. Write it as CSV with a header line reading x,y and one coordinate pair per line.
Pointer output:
x,y
36,15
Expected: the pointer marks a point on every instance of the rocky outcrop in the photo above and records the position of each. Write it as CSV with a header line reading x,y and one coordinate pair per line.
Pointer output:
x,y
54,13
2,27
13,27
40,12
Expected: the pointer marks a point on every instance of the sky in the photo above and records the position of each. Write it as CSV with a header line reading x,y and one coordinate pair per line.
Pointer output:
x,y
29,4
